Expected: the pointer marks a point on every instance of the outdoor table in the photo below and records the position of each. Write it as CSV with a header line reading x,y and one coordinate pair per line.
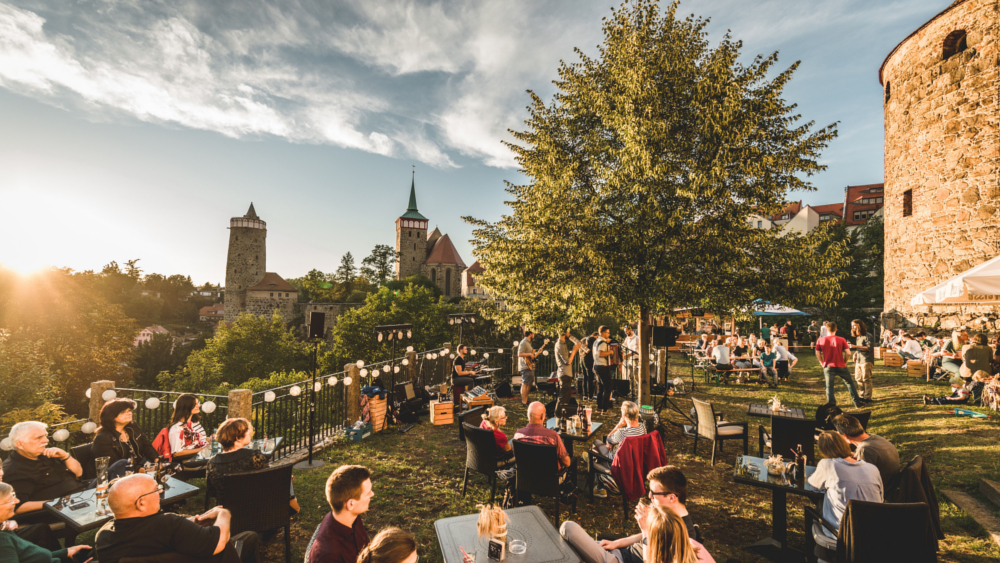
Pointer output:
x,y
766,411
216,447
775,547
78,510
572,435
527,523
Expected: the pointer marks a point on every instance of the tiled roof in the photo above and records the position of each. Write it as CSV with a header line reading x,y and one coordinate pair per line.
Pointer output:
x,y
272,282
475,268
834,208
444,253
791,210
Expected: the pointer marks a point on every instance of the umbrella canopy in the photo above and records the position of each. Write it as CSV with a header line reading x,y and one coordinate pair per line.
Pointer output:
x,y
980,285
772,310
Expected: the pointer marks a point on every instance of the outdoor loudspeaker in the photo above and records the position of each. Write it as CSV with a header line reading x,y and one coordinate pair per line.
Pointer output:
x,y
664,336
317,325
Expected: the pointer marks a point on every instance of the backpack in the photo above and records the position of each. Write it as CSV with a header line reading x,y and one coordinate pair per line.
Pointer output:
x,y
162,444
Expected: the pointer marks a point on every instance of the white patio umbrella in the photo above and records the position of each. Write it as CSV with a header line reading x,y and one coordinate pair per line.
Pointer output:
x,y
980,285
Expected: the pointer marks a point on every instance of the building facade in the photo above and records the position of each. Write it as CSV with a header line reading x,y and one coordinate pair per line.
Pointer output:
x,y
940,92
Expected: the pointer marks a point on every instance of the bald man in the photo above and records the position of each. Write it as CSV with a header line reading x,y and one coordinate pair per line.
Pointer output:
x,y
536,433
141,530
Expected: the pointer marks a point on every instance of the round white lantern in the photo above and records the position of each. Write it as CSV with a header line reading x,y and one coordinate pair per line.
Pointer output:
x,y
348,380
452,356
486,355
295,391
5,445
332,381
515,343
208,407
395,369
269,396
88,428
152,403
406,361
400,335
473,352
363,373
545,353
409,334
88,392
360,364
499,350
409,348
109,395
318,387
60,435
385,368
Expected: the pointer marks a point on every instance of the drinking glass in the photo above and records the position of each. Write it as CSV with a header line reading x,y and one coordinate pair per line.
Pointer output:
x,y
518,547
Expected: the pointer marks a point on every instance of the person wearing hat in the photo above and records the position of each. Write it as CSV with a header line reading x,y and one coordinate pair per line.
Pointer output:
x,y
959,396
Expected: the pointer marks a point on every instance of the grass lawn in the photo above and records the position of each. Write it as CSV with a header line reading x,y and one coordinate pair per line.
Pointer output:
x,y
418,475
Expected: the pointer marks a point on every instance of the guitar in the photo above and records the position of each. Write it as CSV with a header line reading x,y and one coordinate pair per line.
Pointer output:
x,y
531,363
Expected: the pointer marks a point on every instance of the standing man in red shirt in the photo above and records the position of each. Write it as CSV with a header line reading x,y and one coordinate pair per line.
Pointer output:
x,y
831,351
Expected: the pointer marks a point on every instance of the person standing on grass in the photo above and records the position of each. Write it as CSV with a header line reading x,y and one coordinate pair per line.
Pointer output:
x,y
831,351
564,366
525,355
765,333
864,358
602,353
813,332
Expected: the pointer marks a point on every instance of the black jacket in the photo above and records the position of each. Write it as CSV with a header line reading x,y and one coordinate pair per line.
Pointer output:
x,y
108,444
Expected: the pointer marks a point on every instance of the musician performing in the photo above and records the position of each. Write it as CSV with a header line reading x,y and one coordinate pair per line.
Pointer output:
x,y
630,347
461,378
564,367
602,358
525,364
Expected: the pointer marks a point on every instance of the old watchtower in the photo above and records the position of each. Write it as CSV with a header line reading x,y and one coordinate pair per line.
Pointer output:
x,y
411,238
246,262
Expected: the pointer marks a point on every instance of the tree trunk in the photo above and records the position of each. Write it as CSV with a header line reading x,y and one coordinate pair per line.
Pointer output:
x,y
645,392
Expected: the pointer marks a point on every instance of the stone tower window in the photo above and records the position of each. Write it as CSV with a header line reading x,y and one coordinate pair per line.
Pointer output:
x,y
953,44
907,203
447,282
888,91
434,277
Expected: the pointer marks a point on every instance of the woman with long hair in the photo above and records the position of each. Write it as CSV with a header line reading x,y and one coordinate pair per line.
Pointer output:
x,y
668,538
119,437
185,440
844,478
391,545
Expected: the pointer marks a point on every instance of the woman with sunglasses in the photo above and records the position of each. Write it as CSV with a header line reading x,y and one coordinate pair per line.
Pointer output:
x,y
120,438
14,549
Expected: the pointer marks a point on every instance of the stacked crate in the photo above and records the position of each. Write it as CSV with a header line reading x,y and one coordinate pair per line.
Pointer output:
x,y
892,360
377,407
442,412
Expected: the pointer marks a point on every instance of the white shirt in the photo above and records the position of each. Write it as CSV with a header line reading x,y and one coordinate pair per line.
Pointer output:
x,y
844,481
823,331
721,354
632,342
913,347
783,354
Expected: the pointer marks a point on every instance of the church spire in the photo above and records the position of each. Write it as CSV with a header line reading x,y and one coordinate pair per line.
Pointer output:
x,y
411,209
251,214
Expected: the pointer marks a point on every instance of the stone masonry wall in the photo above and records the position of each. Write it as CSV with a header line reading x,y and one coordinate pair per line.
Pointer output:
x,y
331,310
439,271
411,244
246,264
260,304
941,142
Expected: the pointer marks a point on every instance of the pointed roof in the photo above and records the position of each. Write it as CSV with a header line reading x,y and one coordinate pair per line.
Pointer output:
x,y
272,282
251,214
444,253
411,209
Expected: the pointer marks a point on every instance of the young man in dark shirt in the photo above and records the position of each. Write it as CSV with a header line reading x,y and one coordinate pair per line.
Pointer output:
x,y
39,473
342,534
141,530
461,378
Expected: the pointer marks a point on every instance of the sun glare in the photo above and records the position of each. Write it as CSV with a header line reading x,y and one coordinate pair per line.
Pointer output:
x,y
41,230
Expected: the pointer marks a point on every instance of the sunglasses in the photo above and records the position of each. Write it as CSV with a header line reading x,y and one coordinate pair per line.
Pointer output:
x,y
158,490
654,494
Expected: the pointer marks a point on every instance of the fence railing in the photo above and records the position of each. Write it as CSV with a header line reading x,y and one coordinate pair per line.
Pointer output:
x,y
154,409
284,412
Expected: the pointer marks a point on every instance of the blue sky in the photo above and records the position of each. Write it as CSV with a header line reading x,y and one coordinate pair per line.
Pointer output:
x,y
136,129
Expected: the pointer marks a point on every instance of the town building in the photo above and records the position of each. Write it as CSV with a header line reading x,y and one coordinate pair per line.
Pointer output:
x,y
250,288
212,313
431,254
146,334
941,95
862,203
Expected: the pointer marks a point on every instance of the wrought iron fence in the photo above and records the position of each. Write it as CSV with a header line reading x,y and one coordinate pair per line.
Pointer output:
x,y
154,409
284,412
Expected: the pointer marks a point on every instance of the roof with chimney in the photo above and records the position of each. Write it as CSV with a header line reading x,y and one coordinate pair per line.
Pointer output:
x,y
272,282
443,252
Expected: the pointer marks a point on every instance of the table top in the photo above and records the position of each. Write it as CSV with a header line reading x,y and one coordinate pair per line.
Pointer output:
x,y
216,447
795,413
527,523
573,433
79,510
777,482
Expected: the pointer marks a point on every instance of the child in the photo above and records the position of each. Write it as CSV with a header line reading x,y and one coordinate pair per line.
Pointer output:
x,y
959,396
767,358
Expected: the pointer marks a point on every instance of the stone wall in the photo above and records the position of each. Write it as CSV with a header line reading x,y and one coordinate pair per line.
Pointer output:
x,y
440,276
941,145
261,304
411,244
331,310
245,266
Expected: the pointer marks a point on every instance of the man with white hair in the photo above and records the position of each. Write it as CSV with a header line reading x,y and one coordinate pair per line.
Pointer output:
x,y
140,530
39,473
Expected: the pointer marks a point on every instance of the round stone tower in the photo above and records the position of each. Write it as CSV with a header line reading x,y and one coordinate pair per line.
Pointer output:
x,y
246,262
940,90
411,238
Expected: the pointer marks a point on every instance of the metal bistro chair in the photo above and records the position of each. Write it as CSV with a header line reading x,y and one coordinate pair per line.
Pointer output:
x,y
262,503
84,454
481,457
908,535
472,417
538,471
786,434
717,431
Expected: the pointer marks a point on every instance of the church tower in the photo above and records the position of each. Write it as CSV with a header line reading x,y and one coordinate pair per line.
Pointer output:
x,y
411,238
246,262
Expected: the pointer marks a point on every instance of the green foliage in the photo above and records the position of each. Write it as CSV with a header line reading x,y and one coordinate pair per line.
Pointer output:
x,y
419,280
318,287
346,273
252,347
47,412
644,173
354,338
379,266
152,357
145,309
26,375
863,276
275,380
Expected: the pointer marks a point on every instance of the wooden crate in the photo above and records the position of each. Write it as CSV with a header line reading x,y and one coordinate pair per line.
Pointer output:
x,y
880,353
377,407
482,400
916,369
892,360
442,412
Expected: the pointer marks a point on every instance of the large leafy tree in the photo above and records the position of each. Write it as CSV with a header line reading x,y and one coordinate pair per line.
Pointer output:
x,y
346,272
645,172
378,266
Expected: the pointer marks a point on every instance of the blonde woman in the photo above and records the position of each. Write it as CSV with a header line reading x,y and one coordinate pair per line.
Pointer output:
x,y
668,537
951,356
844,478
391,545
628,425
493,419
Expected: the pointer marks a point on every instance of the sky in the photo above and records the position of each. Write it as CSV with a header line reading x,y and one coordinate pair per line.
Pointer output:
x,y
137,129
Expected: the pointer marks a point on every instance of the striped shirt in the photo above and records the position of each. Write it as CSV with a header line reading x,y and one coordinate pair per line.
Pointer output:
x,y
618,436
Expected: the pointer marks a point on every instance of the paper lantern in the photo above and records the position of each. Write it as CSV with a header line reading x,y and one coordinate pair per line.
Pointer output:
x,y
406,362
60,435
269,396
348,380
88,392
152,403
318,387
385,368
295,391
5,445
409,334
380,337
499,350
409,348
109,395
208,407
486,355
452,356
395,369
332,381
515,343
400,335
88,428
545,353
360,364
363,373
473,352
